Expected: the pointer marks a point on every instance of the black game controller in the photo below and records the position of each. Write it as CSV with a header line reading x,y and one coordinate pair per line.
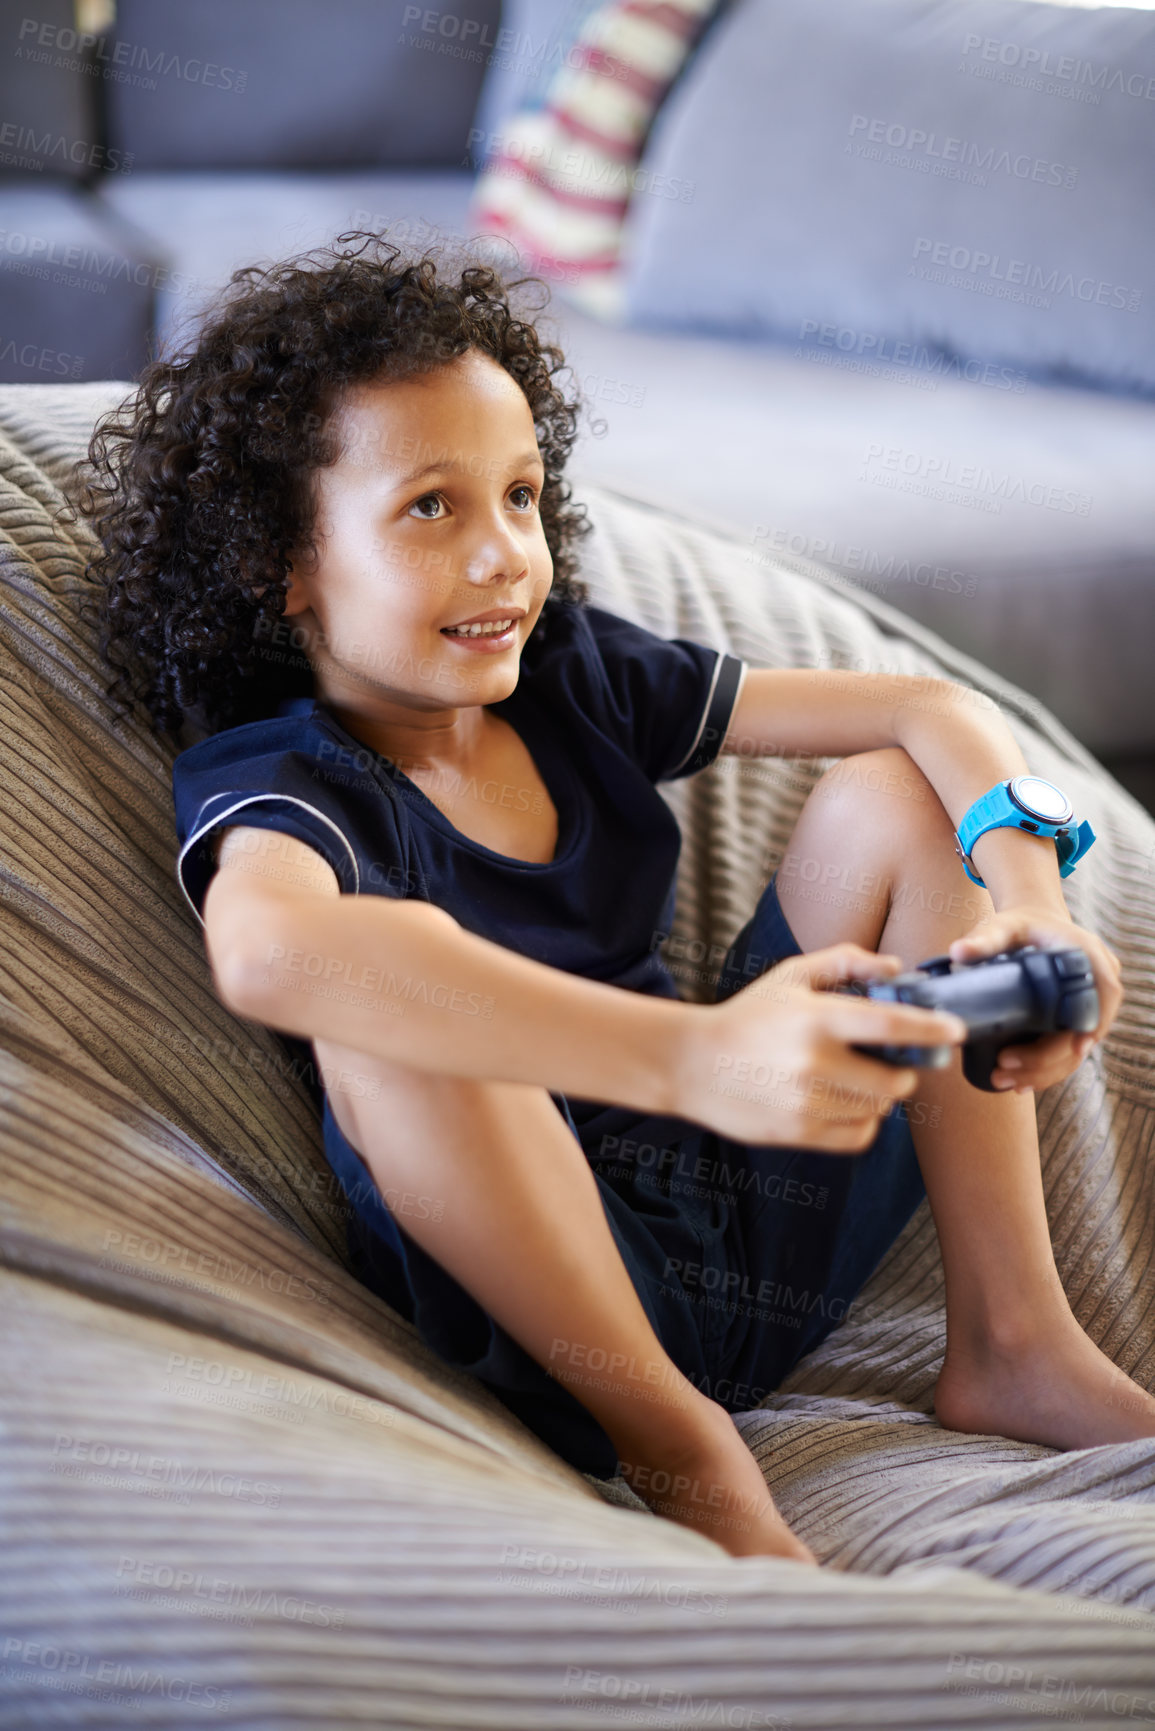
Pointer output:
x,y
1008,999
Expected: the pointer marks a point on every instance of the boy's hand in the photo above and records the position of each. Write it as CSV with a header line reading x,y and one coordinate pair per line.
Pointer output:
x,y
1048,1059
773,1064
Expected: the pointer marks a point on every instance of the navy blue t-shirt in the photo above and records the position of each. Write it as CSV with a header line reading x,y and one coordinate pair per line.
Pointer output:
x,y
606,710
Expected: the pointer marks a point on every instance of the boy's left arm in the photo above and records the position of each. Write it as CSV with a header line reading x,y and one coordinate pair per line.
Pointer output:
x,y
962,744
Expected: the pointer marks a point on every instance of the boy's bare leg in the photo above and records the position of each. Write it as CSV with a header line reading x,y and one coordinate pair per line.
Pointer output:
x,y
1017,1362
524,1231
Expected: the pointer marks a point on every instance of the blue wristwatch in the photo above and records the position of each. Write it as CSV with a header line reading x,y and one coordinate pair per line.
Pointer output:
x,y
1025,802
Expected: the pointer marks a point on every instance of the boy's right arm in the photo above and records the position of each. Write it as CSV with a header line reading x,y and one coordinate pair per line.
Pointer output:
x,y
402,980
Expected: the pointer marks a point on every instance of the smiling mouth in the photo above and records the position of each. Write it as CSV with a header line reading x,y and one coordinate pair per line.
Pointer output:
x,y
491,628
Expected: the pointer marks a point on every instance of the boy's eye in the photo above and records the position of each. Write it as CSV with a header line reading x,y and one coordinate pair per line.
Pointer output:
x,y
529,497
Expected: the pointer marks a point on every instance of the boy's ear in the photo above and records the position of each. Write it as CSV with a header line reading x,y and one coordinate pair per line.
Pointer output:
x,y
296,600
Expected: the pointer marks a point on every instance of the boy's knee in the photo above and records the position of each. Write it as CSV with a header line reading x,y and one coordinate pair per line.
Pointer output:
x,y
366,1084
891,776
356,1075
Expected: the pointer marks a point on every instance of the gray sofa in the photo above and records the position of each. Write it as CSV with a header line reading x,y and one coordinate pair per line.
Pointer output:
x,y
236,1489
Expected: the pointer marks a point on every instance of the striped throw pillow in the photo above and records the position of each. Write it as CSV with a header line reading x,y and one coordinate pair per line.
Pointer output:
x,y
559,178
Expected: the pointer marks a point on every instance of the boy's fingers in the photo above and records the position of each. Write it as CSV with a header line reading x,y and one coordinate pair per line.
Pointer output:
x,y
1041,1064
821,969
867,1084
864,1021
996,935
1037,1054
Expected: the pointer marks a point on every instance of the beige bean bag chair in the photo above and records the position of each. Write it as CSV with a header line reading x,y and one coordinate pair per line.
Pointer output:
x,y
237,1490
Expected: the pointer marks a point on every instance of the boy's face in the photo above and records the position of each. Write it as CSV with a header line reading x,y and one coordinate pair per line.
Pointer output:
x,y
428,518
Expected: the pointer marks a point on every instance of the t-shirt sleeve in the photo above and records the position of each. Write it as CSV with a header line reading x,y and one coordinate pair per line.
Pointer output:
x,y
271,776
670,699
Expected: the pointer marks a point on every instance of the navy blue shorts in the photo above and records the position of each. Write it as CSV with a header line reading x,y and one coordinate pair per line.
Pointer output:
x,y
744,1257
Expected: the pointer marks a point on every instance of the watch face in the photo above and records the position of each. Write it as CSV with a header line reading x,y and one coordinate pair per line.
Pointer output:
x,y
1041,799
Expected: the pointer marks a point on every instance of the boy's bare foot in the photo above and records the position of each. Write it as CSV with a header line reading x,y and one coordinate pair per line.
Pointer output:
x,y
713,1484
1052,1385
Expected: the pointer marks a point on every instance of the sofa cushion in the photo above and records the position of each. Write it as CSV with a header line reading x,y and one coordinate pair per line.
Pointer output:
x,y
205,225
1014,518
963,174
76,291
287,83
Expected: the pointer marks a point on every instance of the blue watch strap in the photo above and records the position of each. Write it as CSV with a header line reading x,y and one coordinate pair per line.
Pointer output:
x,y
992,810
997,810
1073,846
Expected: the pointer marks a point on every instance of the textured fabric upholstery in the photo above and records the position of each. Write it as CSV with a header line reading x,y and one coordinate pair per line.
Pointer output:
x,y
234,1488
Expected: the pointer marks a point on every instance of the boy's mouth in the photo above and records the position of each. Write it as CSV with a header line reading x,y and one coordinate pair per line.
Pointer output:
x,y
493,630
501,634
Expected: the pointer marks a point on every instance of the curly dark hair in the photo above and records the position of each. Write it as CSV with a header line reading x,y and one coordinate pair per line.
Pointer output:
x,y
199,485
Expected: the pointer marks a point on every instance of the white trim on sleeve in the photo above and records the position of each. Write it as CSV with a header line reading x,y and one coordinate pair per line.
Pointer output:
x,y
255,799
723,656
741,683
